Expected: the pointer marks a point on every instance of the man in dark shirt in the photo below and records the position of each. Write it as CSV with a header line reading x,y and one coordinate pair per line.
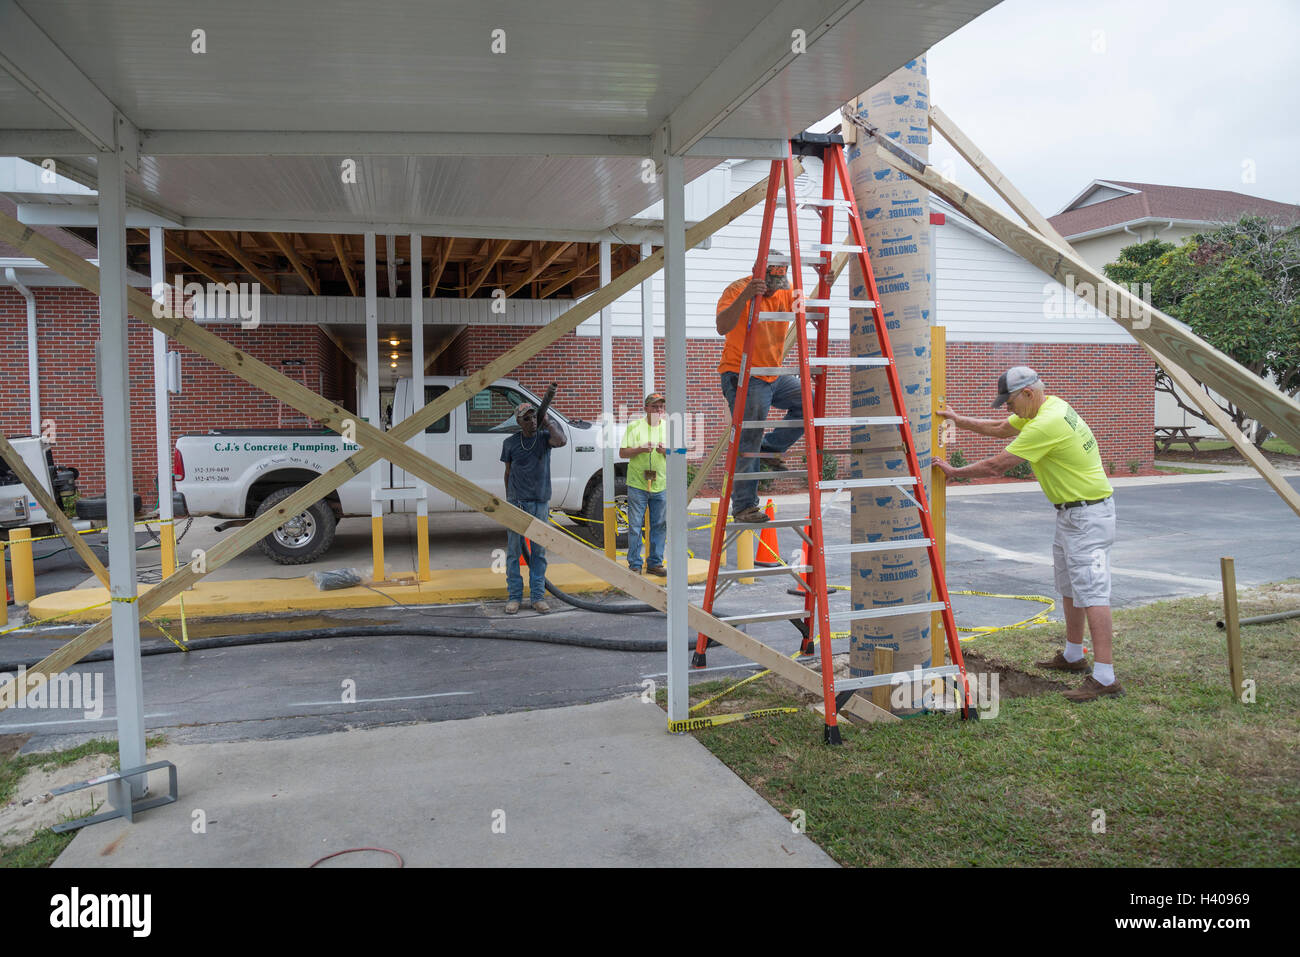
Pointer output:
x,y
527,455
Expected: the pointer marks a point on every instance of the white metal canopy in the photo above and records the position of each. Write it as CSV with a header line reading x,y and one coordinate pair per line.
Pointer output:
x,y
253,131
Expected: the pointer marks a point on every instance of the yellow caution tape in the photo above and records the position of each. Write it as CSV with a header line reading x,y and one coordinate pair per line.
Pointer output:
x,y
698,724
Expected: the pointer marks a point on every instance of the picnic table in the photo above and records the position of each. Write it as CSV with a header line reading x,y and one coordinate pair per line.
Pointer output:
x,y
1167,435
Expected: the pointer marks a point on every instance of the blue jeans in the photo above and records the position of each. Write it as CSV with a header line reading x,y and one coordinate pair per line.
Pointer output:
x,y
537,557
638,500
785,393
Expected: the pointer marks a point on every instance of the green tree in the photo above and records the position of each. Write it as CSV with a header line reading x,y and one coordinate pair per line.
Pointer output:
x,y
1238,288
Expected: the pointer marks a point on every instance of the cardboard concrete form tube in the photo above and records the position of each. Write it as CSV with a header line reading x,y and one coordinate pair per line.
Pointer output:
x,y
1217,417
1164,334
374,442
53,509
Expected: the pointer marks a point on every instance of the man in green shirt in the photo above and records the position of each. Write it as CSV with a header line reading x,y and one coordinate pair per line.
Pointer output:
x,y
643,447
1063,453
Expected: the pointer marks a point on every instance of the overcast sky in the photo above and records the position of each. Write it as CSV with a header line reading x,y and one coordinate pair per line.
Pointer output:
x,y
1062,92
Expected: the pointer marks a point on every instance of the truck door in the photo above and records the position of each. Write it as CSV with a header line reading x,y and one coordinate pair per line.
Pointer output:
x,y
436,443
483,424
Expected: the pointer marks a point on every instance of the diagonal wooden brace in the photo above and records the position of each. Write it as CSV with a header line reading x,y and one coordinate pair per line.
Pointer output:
x,y
1144,322
391,445
1026,210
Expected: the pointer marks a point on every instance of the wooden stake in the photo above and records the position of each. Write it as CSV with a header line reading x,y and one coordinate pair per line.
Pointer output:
x,y
882,663
1143,321
1217,417
1232,624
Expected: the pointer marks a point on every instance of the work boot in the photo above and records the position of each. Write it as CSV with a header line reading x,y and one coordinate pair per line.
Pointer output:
x,y
1092,689
751,516
512,607
540,606
774,464
658,571
1058,663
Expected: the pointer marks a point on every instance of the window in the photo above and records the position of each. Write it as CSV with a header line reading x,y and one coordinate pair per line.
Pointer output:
x,y
432,392
493,410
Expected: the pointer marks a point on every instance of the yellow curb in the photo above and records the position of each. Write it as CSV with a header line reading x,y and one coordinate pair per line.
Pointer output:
x,y
271,595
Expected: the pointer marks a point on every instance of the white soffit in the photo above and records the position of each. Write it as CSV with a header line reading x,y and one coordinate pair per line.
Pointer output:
x,y
569,67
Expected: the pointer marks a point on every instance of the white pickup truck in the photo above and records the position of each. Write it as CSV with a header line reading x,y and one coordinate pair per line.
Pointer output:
x,y
236,474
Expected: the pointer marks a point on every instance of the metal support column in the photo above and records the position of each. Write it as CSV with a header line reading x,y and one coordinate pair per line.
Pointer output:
x,y
115,391
675,362
607,411
647,329
161,409
372,410
417,390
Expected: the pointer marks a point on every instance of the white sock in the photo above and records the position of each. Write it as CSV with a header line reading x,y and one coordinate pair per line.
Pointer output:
x,y
1104,674
1073,652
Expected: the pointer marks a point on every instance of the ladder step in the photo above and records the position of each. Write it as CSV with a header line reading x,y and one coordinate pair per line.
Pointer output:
x,y
846,203
761,476
780,370
859,420
764,572
778,316
893,611
877,681
891,545
847,361
774,523
867,482
766,616
817,303
829,248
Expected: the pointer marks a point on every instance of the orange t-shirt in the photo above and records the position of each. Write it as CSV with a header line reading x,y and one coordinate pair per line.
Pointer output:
x,y
769,337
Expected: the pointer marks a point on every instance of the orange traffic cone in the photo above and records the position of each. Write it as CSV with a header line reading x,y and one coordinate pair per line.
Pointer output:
x,y
768,553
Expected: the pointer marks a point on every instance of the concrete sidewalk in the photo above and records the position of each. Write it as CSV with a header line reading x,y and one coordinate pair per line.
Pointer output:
x,y
591,785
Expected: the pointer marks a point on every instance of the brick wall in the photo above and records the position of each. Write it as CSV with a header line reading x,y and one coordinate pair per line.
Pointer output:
x,y
1110,385
67,327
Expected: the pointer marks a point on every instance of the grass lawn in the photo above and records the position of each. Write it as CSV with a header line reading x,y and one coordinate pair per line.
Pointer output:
x,y
1176,470
45,846
1184,775
1270,445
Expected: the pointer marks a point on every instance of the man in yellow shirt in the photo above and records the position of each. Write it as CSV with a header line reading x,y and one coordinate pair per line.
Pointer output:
x,y
764,391
1060,447
644,447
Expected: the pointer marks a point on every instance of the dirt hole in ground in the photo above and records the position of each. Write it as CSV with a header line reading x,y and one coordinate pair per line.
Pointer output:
x,y
1011,682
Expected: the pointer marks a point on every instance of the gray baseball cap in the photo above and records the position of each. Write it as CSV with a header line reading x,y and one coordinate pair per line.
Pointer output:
x,y
1013,380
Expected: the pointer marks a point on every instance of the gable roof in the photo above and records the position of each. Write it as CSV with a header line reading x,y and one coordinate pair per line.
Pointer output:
x,y
1145,202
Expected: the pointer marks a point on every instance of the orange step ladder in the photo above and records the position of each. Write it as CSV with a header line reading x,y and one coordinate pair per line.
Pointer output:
x,y
815,617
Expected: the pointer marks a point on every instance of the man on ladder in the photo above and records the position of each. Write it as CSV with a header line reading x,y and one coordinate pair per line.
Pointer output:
x,y
765,391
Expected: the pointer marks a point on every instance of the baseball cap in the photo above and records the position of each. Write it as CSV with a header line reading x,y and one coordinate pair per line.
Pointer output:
x,y
523,408
655,397
1013,380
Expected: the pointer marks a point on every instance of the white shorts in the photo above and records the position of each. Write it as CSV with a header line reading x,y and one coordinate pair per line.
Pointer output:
x,y
1081,552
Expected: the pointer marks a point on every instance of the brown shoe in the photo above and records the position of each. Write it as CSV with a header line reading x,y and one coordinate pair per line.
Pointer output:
x,y
1092,689
540,606
751,516
1058,663
657,570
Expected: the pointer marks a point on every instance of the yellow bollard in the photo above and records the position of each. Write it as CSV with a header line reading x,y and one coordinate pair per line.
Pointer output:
x,y
611,532
745,554
20,556
167,544
422,548
713,515
377,546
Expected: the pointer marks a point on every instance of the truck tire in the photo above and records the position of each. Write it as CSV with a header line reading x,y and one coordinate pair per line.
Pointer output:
x,y
592,526
302,539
